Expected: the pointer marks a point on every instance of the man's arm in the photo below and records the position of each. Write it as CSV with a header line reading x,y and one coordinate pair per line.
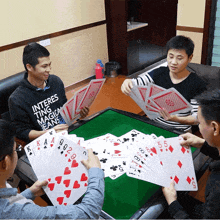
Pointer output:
x,y
20,119
185,120
33,134
89,208
175,209
141,80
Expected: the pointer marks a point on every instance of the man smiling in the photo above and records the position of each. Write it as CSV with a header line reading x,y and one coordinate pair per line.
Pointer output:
x,y
34,106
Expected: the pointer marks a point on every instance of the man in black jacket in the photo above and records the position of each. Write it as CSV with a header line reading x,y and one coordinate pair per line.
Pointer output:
x,y
209,126
34,106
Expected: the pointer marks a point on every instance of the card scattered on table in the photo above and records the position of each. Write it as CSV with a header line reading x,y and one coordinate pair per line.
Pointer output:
x,y
82,98
151,98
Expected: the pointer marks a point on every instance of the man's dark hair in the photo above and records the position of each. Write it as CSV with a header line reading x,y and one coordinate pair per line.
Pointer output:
x,y
32,52
7,133
180,42
209,101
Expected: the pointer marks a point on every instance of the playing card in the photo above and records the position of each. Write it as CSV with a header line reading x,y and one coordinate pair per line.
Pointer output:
x,y
90,94
78,97
154,89
69,175
136,171
150,112
69,107
64,115
178,163
172,101
115,166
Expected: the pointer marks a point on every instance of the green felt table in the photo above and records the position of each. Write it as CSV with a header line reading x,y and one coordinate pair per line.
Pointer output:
x,y
124,196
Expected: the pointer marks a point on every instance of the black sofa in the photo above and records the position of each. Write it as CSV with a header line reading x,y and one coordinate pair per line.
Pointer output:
x,y
7,86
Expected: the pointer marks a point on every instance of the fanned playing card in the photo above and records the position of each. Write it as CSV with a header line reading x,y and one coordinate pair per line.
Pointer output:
x,y
84,97
178,163
91,93
172,101
151,98
67,176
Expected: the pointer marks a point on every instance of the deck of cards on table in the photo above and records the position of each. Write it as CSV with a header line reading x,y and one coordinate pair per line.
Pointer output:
x,y
57,158
151,98
82,98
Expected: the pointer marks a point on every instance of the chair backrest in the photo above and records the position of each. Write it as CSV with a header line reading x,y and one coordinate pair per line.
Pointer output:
x,y
7,87
210,74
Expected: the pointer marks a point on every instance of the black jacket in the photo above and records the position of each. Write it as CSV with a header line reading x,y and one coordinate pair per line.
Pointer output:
x,y
32,108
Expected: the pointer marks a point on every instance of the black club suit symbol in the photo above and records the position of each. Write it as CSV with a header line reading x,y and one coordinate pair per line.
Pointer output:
x,y
103,160
114,168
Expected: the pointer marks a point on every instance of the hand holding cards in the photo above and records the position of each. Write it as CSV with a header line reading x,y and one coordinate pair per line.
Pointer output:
x,y
151,98
57,158
83,98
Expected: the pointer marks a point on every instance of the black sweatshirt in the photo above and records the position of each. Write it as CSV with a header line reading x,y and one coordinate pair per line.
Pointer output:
x,y
32,108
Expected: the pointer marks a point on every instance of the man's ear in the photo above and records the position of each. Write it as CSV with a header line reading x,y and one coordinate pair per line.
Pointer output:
x,y
29,67
190,58
2,165
216,128
7,162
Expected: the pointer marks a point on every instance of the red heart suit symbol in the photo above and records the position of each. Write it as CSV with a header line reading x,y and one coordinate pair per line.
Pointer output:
x,y
116,144
67,171
51,186
83,177
66,183
74,164
60,200
58,179
153,149
67,193
117,151
76,185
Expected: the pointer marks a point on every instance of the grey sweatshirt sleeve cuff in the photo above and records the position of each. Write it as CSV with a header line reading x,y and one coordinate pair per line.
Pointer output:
x,y
28,194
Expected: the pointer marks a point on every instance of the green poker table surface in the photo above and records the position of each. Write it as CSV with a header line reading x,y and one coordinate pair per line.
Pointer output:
x,y
127,197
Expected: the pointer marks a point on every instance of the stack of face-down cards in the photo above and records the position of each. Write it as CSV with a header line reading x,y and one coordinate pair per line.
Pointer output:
x,y
151,98
82,98
57,158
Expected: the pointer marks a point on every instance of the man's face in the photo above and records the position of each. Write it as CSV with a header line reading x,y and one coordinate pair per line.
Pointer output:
x,y
205,128
42,70
177,60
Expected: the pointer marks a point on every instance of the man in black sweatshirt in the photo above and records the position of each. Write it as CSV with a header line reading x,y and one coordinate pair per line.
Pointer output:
x,y
34,106
209,126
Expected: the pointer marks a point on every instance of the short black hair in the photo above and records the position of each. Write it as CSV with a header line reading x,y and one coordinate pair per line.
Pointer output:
x,y
209,101
7,134
32,52
180,42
